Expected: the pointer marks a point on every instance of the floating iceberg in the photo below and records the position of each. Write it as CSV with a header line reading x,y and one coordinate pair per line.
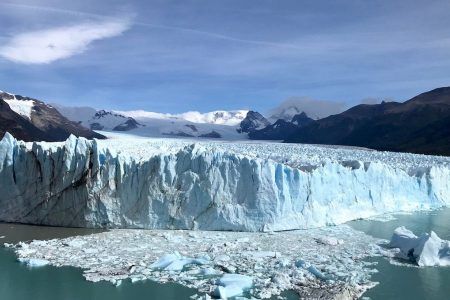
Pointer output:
x,y
425,250
232,285
34,262
172,184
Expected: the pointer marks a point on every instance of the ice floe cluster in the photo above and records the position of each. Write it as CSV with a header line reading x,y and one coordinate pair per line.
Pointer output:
x,y
318,263
172,184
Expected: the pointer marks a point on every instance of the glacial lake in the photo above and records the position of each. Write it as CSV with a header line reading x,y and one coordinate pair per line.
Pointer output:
x,y
20,282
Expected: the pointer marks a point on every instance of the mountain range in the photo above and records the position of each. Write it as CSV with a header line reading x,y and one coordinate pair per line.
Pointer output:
x,y
214,125
419,125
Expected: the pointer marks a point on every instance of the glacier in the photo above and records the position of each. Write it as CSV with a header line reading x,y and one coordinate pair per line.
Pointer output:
x,y
147,183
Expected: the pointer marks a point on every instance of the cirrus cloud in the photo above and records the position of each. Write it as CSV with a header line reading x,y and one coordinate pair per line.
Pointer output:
x,y
46,46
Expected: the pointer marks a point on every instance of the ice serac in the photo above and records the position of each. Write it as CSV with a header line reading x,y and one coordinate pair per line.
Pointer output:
x,y
79,183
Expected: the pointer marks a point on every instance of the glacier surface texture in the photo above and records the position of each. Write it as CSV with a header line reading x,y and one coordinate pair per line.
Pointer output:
x,y
181,184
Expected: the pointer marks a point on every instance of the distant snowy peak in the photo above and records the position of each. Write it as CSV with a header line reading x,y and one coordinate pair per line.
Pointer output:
x,y
314,108
98,119
301,119
253,121
286,113
212,125
110,120
219,117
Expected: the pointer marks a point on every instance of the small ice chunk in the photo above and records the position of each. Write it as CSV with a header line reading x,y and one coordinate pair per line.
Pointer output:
x,y
209,272
232,285
313,270
76,243
176,262
300,263
425,250
329,240
165,260
34,262
222,257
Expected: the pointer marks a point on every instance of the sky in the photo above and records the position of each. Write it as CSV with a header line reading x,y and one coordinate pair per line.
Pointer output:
x,y
175,56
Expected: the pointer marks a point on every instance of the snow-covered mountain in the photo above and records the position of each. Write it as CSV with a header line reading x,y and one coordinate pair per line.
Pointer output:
x,y
218,117
253,121
33,120
98,119
216,124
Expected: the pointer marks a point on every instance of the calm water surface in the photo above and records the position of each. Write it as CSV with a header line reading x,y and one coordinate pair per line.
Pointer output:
x,y
18,281
398,282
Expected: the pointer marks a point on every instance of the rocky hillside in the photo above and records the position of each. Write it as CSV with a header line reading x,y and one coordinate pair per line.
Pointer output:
x,y
419,125
32,120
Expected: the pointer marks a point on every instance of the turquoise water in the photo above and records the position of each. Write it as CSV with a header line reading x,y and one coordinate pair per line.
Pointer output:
x,y
19,282
399,282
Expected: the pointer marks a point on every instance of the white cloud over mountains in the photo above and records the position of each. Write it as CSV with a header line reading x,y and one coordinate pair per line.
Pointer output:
x,y
314,108
46,46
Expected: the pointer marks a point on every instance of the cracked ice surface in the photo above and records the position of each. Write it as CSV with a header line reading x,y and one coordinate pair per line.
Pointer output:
x,y
130,182
327,262
294,155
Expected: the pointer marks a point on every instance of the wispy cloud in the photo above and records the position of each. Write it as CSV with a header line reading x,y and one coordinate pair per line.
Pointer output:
x,y
46,46
186,30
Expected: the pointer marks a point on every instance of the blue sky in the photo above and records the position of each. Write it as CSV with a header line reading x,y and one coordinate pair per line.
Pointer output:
x,y
174,56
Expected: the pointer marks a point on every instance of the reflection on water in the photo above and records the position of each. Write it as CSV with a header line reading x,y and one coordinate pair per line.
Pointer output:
x,y
399,282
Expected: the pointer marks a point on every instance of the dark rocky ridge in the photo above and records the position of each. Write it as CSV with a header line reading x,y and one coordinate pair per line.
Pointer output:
x,y
252,121
419,125
281,129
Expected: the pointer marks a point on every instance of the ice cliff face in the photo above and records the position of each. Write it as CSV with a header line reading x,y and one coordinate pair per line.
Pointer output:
x,y
81,183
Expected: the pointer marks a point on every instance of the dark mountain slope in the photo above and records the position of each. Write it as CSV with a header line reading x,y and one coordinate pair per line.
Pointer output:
x,y
419,125
281,129
252,121
44,122
16,125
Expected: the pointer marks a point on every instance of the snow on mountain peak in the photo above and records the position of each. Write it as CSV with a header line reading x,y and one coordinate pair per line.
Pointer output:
x,y
22,107
219,117
315,109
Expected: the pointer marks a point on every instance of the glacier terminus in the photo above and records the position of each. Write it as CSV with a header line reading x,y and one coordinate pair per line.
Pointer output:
x,y
153,183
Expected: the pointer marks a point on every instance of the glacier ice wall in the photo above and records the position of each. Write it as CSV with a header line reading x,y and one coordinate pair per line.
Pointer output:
x,y
81,184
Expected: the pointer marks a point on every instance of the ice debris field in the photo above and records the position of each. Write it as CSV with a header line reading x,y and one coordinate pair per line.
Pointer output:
x,y
324,263
315,263
131,182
